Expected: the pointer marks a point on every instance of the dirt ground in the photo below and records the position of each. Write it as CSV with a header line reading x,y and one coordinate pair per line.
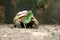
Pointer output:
x,y
44,32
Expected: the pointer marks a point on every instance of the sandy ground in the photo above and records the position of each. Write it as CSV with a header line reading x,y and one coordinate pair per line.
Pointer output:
x,y
44,32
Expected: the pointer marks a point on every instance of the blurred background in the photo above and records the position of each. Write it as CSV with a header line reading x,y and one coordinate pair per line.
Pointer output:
x,y
46,11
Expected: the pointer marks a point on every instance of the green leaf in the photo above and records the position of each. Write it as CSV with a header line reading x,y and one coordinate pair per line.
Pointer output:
x,y
27,19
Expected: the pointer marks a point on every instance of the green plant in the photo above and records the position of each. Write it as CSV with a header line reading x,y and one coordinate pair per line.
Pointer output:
x,y
28,18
